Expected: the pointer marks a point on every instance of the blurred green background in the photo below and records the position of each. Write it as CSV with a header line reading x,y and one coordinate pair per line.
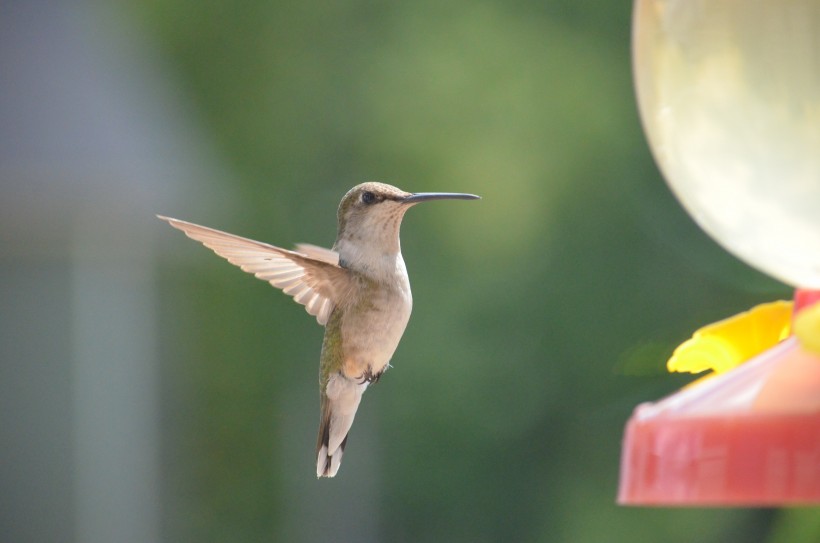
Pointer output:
x,y
544,313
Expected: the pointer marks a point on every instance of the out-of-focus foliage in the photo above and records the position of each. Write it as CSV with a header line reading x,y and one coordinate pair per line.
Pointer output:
x,y
543,313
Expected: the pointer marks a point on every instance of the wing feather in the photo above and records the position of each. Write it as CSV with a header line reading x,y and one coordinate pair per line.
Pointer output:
x,y
319,253
311,275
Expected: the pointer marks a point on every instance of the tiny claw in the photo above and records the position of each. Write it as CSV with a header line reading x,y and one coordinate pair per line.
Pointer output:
x,y
369,377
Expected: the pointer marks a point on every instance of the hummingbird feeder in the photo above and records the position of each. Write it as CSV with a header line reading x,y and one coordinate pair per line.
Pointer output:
x,y
729,96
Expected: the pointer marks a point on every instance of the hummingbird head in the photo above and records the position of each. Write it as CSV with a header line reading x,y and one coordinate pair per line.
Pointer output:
x,y
370,216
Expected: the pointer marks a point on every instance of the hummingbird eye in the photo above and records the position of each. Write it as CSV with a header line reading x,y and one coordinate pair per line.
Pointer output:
x,y
368,197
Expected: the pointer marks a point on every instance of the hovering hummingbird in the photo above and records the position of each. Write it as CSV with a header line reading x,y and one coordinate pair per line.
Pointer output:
x,y
358,290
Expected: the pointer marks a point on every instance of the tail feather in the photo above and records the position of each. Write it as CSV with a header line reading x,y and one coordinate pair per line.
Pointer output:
x,y
340,400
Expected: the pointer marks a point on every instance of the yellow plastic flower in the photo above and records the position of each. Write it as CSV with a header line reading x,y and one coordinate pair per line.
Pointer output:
x,y
725,344
807,328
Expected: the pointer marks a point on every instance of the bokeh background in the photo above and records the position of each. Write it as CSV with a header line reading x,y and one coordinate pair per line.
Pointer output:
x,y
149,391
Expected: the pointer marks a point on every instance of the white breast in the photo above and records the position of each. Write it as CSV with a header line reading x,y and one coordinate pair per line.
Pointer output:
x,y
374,323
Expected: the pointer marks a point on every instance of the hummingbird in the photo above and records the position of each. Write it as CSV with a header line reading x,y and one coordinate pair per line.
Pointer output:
x,y
358,290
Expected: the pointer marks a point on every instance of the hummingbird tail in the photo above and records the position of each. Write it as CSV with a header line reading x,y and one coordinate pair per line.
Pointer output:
x,y
340,400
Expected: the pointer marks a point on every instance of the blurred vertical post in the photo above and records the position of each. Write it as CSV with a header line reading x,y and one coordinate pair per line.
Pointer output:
x,y
90,150
115,383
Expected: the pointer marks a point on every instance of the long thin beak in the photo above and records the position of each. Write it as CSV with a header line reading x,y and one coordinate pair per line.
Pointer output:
x,y
425,196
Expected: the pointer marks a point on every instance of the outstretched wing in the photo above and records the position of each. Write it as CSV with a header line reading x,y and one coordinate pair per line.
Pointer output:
x,y
316,283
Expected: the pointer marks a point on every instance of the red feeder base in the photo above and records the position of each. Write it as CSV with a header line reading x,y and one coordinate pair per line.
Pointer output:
x,y
750,436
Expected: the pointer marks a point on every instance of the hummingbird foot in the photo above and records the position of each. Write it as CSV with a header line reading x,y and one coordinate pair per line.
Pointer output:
x,y
371,378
